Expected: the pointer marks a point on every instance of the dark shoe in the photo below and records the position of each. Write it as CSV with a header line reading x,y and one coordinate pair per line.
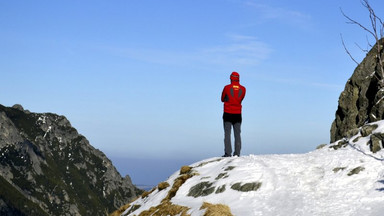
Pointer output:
x,y
226,155
236,155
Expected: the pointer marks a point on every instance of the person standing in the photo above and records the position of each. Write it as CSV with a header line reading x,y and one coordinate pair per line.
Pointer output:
x,y
232,96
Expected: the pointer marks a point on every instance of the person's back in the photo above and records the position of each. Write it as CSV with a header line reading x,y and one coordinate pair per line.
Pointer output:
x,y
232,96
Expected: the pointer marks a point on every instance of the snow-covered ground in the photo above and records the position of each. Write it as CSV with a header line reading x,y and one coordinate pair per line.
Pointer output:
x,y
347,181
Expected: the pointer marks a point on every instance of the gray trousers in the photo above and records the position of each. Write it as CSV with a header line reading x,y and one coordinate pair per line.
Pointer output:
x,y
227,138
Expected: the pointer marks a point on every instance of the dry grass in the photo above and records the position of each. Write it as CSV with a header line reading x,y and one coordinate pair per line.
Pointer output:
x,y
176,185
216,209
185,170
166,208
162,185
146,193
119,211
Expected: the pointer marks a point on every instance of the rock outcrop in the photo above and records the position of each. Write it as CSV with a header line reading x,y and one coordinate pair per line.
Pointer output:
x,y
362,100
48,168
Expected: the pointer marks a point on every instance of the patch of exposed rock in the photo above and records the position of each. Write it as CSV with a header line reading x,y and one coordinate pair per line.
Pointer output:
x,y
362,100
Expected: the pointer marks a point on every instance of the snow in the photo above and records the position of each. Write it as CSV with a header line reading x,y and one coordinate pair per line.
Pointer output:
x,y
316,183
49,129
42,119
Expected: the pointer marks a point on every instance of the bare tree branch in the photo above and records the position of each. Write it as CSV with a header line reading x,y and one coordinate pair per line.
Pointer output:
x,y
351,21
368,43
376,30
363,50
346,50
377,36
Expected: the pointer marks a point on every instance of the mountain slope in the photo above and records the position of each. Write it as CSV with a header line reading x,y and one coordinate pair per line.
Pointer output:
x,y
47,168
342,178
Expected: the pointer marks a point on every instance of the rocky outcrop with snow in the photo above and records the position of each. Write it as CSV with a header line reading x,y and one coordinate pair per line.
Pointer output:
x,y
361,101
340,179
48,168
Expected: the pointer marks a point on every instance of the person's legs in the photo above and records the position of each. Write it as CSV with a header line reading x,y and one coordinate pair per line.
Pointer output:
x,y
237,131
227,139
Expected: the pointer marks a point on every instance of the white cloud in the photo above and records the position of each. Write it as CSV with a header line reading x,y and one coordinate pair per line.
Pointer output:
x,y
239,51
267,12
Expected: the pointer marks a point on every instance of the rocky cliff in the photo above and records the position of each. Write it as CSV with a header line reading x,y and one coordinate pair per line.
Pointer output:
x,y
361,102
48,168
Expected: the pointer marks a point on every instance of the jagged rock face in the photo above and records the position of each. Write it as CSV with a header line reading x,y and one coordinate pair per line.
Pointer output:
x,y
361,101
47,168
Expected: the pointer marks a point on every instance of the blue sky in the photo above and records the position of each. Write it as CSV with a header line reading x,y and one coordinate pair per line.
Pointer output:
x,y
142,79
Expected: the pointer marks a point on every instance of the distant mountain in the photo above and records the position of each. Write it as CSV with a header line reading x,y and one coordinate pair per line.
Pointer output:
x,y
47,168
340,179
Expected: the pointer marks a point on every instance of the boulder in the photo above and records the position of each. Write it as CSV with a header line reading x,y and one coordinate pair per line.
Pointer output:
x,y
376,142
367,130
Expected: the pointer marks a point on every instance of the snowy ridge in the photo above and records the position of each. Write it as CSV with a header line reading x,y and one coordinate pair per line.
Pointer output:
x,y
347,180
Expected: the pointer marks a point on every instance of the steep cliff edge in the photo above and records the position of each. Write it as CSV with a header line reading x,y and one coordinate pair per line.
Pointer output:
x,y
48,168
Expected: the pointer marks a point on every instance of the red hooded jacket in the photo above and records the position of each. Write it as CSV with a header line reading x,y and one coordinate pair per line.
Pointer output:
x,y
233,94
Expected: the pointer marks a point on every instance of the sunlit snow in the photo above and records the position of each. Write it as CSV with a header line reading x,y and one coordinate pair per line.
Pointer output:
x,y
347,181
